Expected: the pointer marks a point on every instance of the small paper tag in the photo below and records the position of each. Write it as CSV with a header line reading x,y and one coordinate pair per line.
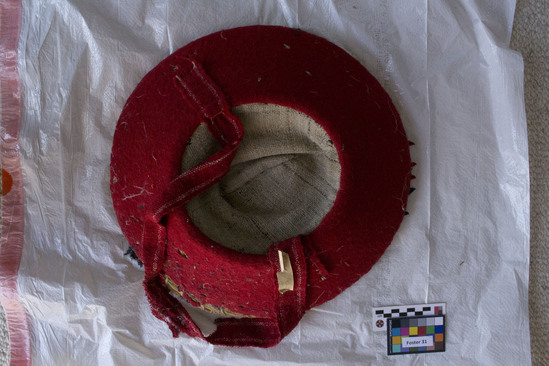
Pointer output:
x,y
416,335
382,313
285,276
417,342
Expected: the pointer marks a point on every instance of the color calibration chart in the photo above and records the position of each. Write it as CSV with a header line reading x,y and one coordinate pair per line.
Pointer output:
x,y
412,328
415,335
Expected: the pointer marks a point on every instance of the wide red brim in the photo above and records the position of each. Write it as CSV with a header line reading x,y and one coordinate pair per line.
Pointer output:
x,y
266,64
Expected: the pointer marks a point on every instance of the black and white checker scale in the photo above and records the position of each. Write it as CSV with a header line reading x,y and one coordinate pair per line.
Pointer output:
x,y
382,313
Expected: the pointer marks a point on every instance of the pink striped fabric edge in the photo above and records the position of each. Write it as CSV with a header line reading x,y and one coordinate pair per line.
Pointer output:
x,y
12,237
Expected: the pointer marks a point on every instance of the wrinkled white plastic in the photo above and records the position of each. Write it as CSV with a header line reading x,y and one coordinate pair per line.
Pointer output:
x,y
458,88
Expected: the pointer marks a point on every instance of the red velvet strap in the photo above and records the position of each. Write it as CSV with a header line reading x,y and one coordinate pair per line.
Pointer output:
x,y
258,332
201,93
290,307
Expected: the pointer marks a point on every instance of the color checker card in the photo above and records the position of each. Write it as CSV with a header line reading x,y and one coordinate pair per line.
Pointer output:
x,y
416,335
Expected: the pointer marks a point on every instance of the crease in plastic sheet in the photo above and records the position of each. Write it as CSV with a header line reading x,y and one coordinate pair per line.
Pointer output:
x,y
458,89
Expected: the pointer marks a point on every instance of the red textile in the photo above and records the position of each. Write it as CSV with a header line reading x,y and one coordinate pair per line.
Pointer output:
x,y
200,83
12,233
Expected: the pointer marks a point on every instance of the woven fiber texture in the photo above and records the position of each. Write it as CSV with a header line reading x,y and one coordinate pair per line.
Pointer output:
x,y
283,181
531,38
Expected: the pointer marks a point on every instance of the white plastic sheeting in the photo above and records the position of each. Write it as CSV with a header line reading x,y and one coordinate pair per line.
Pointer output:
x,y
458,88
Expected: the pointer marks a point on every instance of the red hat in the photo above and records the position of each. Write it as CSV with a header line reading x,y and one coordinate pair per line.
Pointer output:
x,y
265,295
